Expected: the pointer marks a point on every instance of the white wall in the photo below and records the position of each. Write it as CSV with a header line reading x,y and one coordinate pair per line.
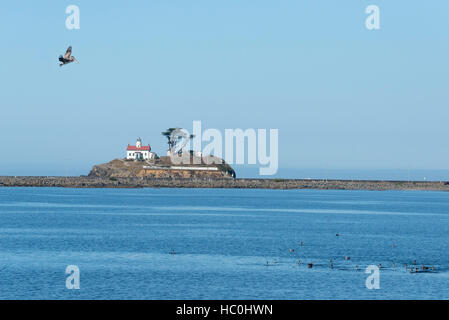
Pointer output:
x,y
146,154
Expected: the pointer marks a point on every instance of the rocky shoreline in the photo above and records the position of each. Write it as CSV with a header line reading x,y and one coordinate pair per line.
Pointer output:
x,y
144,182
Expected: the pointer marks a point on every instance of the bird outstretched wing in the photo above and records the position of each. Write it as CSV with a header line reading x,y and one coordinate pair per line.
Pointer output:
x,y
68,53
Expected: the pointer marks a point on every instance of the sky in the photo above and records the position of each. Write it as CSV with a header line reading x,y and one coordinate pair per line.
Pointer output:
x,y
344,98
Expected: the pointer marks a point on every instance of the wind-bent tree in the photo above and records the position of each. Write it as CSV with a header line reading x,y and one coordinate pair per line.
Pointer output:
x,y
174,135
168,134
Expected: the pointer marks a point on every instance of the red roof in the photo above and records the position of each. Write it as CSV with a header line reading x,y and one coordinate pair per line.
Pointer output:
x,y
142,148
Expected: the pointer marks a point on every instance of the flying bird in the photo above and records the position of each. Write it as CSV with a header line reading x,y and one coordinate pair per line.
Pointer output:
x,y
67,58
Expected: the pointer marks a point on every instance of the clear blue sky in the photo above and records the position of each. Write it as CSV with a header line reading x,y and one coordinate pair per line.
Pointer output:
x,y
342,97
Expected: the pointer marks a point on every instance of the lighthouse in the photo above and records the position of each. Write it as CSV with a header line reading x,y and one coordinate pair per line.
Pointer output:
x,y
139,152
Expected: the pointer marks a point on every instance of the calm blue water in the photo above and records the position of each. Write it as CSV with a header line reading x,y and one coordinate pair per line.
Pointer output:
x,y
121,240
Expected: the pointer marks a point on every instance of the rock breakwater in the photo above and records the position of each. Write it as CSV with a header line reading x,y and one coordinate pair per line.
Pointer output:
x,y
145,182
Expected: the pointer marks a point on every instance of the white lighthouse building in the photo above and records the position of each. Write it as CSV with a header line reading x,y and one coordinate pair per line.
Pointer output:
x,y
139,152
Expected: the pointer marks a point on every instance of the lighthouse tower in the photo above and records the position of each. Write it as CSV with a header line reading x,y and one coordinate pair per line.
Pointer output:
x,y
139,143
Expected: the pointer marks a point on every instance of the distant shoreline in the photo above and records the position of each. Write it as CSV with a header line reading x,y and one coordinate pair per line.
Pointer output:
x,y
228,183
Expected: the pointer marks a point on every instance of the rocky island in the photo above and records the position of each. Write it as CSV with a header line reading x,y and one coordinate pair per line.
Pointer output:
x,y
163,168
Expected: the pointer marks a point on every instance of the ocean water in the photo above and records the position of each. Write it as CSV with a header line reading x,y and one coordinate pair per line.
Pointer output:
x,y
228,244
